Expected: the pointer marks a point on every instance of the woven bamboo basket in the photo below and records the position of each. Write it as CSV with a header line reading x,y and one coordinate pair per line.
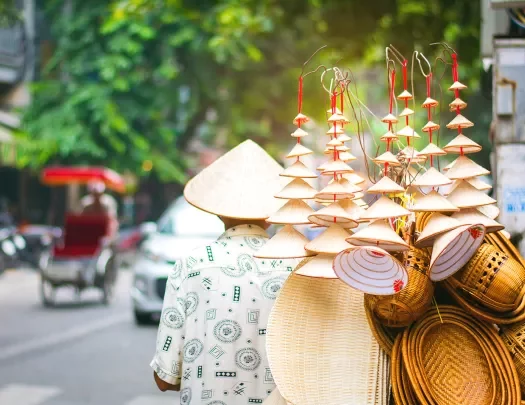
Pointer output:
x,y
514,338
385,336
320,347
401,386
493,279
407,306
452,358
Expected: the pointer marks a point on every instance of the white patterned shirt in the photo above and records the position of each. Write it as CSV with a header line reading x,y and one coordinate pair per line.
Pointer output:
x,y
211,336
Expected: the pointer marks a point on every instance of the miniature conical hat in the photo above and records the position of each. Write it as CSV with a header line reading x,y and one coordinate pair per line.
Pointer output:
x,y
319,266
408,132
337,118
432,178
467,196
288,243
331,241
333,214
470,216
353,178
457,86
410,175
478,184
465,168
293,212
380,234
491,211
337,130
406,112
384,208
275,398
462,144
459,122
336,166
341,148
457,103
352,209
450,165
346,157
299,150
334,142
298,170
370,270
429,102
337,111
385,185
405,95
387,157
433,202
297,189
334,191
349,186
300,119
453,249
362,204
358,195
436,225
432,150
430,126
344,138
390,118
240,184
388,136
413,155
299,133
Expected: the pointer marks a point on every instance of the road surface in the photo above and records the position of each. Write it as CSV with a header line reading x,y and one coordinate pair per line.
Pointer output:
x,y
79,353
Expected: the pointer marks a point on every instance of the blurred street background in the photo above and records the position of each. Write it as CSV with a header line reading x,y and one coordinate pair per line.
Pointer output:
x,y
144,94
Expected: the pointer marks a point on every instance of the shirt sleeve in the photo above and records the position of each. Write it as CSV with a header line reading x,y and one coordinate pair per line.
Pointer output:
x,y
167,362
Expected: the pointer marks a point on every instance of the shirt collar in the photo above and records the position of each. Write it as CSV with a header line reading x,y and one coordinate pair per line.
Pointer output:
x,y
244,230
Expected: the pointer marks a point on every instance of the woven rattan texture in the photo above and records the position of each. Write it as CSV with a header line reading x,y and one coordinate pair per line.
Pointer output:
x,y
514,338
320,347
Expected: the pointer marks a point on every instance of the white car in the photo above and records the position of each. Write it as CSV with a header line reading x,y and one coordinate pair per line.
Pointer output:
x,y
180,229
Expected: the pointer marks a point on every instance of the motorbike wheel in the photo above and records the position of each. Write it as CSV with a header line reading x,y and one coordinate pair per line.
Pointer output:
x,y
47,293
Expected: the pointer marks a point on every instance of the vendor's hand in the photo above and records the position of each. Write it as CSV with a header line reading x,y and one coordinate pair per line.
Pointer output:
x,y
163,385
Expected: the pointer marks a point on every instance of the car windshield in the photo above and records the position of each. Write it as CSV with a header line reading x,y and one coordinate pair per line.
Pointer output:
x,y
183,219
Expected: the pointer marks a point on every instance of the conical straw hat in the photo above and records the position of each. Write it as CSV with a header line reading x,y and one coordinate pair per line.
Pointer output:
x,y
432,178
385,185
478,183
387,157
408,132
333,214
436,225
299,133
384,208
450,165
346,157
336,166
352,209
491,211
405,95
370,270
430,126
358,196
429,102
353,178
459,122
293,212
341,148
390,118
344,138
461,142
388,136
300,119
337,111
362,204
470,216
406,112
333,191
380,234
433,202
466,196
350,187
465,168
275,398
297,189
413,155
338,118
453,249
411,175
240,184
288,243
299,170
338,130
331,241
457,103
334,142
319,266
299,150
432,150
457,86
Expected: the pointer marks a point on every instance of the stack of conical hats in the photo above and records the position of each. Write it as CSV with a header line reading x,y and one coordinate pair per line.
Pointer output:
x,y
341,213
288,242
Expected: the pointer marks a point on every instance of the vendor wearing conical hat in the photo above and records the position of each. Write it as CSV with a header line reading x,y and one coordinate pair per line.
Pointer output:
x,y
211,338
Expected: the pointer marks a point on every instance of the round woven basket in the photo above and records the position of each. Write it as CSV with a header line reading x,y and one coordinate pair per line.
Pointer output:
x,y
493,279
401,387
384,336
451,358
514,338
409,304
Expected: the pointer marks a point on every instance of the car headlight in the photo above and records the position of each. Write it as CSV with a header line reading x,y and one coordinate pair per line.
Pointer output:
x,y
141,284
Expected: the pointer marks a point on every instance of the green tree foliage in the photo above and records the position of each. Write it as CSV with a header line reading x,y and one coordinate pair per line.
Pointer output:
x,y
136,80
